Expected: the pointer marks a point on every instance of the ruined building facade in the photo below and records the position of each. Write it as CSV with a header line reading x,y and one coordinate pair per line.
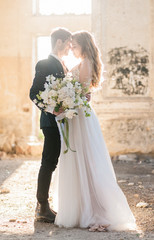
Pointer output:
x,y
124,32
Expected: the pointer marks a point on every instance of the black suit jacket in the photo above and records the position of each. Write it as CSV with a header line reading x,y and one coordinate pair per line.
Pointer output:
x,y
50,66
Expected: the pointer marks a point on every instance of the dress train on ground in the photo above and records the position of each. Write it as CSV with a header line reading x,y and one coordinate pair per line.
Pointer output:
x,y
85,190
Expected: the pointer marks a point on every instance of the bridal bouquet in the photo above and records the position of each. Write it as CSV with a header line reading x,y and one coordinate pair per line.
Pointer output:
x,y
66,93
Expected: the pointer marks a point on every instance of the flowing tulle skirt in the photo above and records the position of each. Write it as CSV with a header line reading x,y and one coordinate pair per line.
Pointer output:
x,y
85,190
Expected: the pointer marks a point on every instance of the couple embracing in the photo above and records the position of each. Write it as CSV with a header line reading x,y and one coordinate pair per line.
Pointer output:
x,y
88,195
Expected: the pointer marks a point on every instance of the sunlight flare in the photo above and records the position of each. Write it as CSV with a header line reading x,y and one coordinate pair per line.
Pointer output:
x,y
60,7
44,49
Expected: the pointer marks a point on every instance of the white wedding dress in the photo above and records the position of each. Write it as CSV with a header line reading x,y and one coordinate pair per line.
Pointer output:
x,y
85,190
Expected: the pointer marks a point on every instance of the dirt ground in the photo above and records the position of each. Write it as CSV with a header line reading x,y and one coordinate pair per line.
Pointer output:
x,y
18,179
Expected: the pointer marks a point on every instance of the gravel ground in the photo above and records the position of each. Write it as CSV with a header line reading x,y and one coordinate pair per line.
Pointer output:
x,y
17,202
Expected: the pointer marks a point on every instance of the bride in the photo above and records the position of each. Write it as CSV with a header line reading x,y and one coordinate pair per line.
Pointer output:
x,y
85,190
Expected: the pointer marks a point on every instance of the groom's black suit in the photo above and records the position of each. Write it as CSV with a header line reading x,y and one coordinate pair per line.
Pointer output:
x,y
52,144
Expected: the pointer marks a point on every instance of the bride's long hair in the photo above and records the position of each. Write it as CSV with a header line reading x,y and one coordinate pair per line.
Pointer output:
x,y
90,50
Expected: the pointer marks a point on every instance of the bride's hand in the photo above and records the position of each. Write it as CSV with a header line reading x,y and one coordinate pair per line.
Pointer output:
x,y
59,112
88,96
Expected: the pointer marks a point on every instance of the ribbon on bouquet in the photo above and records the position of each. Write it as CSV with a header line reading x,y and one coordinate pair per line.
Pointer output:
x,y
65,133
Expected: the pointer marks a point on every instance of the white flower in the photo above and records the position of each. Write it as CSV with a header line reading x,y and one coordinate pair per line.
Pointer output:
x,y
52,77
35,101
54,86
44,96
54,83
63,93
80,106
69,85
49,109
79,101
78,90
48,78
65,80
84,108
52,93
68,102
84,98
77,84
41,105
51,102
46,86
70,113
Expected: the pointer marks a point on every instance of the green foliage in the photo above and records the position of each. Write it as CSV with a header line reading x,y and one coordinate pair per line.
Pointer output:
x,y
56,108
38,97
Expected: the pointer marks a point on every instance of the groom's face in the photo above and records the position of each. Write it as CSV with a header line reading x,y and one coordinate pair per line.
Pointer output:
x,y
65,46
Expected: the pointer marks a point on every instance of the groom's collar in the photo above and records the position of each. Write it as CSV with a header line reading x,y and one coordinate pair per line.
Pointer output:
x,y
55,56
61,61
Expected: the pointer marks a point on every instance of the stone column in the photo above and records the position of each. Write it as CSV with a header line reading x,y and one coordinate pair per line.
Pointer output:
x,y
99,26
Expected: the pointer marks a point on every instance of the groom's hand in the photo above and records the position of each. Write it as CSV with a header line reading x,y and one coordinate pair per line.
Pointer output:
x,y
88,96
59,112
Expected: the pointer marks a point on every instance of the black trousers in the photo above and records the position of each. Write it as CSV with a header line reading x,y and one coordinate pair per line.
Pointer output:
x,y
50,155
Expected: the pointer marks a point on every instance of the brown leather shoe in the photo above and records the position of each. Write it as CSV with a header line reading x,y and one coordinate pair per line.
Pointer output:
x,y
43,213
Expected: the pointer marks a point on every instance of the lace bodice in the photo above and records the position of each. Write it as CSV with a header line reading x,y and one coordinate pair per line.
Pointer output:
x,y
82,73
76,72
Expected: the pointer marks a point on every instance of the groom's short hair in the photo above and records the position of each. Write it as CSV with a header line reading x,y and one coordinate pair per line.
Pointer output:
x,y
59,33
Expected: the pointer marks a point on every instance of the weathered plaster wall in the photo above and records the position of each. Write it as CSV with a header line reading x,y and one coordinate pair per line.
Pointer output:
x,y
126,107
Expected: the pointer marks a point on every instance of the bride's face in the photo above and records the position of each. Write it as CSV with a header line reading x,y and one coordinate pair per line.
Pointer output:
x,y
76,49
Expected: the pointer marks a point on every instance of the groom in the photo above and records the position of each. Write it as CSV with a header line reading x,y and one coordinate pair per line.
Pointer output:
x,y
60,41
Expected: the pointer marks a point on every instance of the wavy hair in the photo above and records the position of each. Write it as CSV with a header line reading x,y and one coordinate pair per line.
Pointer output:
x,y
90,50
59,33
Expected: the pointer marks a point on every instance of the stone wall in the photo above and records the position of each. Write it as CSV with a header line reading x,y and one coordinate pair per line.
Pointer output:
x,y
125,105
